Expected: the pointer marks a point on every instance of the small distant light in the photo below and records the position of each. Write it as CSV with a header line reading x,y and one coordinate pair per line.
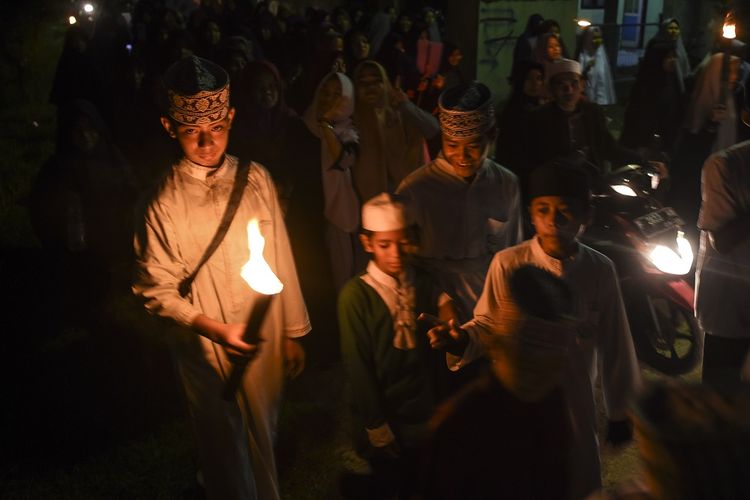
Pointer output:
x,y
72,20
583,23
729,31
35,124
88,8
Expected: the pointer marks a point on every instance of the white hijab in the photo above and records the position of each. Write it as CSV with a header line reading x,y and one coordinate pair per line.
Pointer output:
x,y
341,202
705,96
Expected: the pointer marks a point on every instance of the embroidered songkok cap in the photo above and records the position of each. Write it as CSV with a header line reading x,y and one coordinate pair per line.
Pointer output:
x,y
383,213
466,111
562,66
197,91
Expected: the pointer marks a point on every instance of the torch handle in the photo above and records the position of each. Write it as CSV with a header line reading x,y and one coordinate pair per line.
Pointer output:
x,y
252,336
724,86
235,378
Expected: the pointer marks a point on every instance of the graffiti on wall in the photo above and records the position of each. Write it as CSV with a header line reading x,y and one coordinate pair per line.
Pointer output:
x,y
499,28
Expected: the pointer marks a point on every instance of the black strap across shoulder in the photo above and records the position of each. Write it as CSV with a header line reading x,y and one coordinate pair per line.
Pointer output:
x,y
240,181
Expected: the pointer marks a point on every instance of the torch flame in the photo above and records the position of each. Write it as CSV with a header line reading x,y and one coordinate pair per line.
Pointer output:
x,y
729,31
256,271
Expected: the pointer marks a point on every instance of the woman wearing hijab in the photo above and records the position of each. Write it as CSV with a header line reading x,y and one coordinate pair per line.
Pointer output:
x,y
713,106
712,123
392,131
528,84
450,68
429,17
265,128
81,205
329,190
527,40
670,30
356,49
657,99
380,27
600,87
547,50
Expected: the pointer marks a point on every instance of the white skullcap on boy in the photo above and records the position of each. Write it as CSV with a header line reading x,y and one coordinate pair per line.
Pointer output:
x,y
383,213
562,66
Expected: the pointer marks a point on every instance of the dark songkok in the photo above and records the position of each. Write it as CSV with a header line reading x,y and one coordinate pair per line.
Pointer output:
x,y
197,91
466,111
560,179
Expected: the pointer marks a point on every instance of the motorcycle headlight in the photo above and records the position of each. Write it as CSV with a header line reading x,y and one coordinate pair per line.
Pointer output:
x,y
623,189
668,261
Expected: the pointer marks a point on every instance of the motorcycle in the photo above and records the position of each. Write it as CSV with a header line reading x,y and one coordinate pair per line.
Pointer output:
x,y
652,256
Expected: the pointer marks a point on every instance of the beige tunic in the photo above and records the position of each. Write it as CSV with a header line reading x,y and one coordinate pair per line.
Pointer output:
x,y
460,224
235,440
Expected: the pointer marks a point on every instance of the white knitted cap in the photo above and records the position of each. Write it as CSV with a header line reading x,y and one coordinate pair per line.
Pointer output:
x,y
562,66
382,213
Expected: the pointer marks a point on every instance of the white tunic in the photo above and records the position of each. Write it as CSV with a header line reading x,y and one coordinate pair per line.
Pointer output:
x,y
235,440
604,345
600,87
722,289
462,224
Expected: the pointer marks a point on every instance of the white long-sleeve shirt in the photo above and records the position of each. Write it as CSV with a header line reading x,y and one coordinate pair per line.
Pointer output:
x,y
604,346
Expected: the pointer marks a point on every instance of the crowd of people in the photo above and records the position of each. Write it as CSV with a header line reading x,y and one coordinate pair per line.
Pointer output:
x,y
392,194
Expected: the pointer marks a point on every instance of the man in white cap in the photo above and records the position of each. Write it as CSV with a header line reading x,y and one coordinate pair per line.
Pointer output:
x,y
569,125
207,298
465,206
385,352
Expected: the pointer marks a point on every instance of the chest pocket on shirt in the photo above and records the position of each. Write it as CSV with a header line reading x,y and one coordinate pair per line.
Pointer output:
x,y
495,232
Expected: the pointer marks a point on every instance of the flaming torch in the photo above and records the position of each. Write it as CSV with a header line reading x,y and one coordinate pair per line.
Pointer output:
x,y
261,279
728,33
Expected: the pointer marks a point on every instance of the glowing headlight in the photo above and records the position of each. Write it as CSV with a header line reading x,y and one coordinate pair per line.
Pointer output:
x,y
72,20
623,190
668,261
88,8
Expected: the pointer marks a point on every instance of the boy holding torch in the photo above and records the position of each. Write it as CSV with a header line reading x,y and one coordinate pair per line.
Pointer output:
x,y
208,297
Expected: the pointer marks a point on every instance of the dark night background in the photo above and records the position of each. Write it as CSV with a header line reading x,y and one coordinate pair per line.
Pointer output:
x,y
90,408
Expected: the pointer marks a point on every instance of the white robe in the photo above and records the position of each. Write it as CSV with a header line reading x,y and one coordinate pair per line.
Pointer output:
x,y
462,224
604,346
235,439
600,87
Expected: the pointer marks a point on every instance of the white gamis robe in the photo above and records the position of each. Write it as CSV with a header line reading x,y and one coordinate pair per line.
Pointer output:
x,y
604,346
235,440
600,87
462,224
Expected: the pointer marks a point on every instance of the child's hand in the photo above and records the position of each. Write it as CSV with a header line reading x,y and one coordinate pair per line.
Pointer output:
x,y
448,337
294,358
